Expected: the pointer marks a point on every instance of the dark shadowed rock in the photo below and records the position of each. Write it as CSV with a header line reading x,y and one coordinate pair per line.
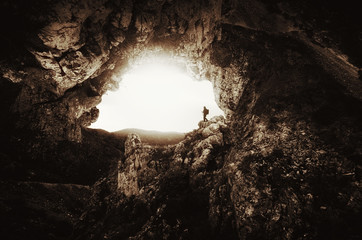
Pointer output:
x,y
285,163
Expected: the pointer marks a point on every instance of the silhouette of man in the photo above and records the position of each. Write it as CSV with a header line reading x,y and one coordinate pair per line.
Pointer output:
x,y
205,112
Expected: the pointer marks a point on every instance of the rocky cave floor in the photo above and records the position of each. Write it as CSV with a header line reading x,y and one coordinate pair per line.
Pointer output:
x,y
150,192
179,191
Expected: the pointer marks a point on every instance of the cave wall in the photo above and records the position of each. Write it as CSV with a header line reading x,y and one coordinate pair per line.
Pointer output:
x,y
62,54
286,73
294,147
77,46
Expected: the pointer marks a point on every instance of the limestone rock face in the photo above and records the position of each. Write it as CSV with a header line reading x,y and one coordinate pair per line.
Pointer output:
x,y
141,160
83,43
195,151
212,138
137,159
280,129
187,174
283,164
132,143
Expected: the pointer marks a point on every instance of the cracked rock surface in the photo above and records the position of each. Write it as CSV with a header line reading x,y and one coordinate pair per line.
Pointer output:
x,y
284,163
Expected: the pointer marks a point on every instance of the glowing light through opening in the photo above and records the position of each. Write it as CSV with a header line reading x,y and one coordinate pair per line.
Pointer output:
x,y
157,96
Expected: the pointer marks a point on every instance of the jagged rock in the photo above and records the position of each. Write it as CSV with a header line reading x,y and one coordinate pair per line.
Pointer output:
x,y
132,143
47,61
284,164
123,17
214,126
118,37
247,14
79,68
137,158
89,117
61,36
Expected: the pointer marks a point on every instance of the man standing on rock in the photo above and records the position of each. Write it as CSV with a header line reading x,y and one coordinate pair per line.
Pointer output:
x,y
205,112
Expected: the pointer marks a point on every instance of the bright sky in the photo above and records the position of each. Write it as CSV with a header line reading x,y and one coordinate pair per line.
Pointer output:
x,y
157,96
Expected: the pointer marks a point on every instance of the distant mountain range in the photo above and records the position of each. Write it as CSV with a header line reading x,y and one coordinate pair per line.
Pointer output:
x,y
153,137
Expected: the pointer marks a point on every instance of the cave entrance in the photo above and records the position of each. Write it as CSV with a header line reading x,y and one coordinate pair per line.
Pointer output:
x,y
157,93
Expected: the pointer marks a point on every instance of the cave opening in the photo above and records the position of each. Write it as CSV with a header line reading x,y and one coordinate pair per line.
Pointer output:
x,y
157,91
285,162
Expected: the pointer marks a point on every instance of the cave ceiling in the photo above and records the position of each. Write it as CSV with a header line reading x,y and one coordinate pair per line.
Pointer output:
x,y
61,55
